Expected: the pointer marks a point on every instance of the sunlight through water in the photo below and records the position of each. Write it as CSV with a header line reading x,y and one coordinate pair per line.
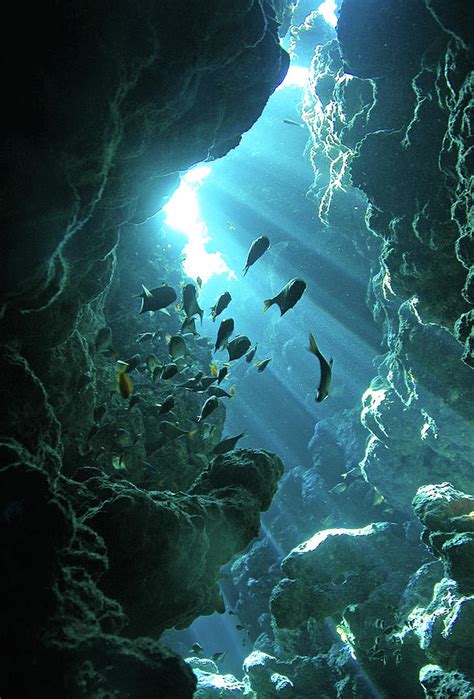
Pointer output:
x,y
183,214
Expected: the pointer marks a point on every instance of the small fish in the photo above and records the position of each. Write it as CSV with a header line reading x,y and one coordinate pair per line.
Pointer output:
x,y
188,327
379,624
99,413
222,303
230,225
193,383
288,297
262,364
199,282
218,656
103,339
339,488
196,649
256,250
156,375
227,444
326,370
190,304
209,406
156,299
117,462
226,328
133,362
232,613
293,123
240,627
177,346
123,438
152,363
172,431
167,405
251,354
123,382
145,337
222,374
169,370
378,499
214,369
238,347
218,392
206,381
134,400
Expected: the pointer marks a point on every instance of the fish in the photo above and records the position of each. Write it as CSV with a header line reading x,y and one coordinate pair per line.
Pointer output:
x,y
166,406
123,382
221,304
169,370
193,383
379,624
238,347
172,431
190,304
227,444
199,282
219,392
156,299
218,656
287,297
153,363
209,406
222,374
145,337
326,370
206,381
188,327
262,364
103,339
196,649
133,362
177,346
123,438
339,488
226,328
214,369
293,123
251,354
256,250
134,400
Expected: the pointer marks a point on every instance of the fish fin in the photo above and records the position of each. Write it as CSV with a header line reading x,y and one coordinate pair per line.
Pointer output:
x,y
266,304
313,347
246,269
331,362
165,311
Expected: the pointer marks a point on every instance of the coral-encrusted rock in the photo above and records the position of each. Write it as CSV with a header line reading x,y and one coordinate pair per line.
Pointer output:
x,y
165,549
335,568
438,684
256,471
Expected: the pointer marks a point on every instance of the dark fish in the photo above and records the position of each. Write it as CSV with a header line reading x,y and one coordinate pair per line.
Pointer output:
x,y
172,431
339,488
196,649
156,299
238,347
145,337
133,362
152,363
293,123
258,247
189,327
123,382
193,383
326,370
177,346
103,339
218,656
166,406
287,297
219,392
206,381
222,374
134,400
227,445
222,303
199,282
262,364
251,354
209,406
169,370
99,413
226,328
156,374
190,304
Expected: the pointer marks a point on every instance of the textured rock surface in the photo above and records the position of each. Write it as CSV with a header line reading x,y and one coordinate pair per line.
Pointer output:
x,y
438,684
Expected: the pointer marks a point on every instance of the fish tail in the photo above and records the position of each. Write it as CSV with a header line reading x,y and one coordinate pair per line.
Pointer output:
x,y
266,304
313,347
246,269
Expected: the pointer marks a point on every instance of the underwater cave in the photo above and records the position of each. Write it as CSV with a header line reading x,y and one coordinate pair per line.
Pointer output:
x,y
237,443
